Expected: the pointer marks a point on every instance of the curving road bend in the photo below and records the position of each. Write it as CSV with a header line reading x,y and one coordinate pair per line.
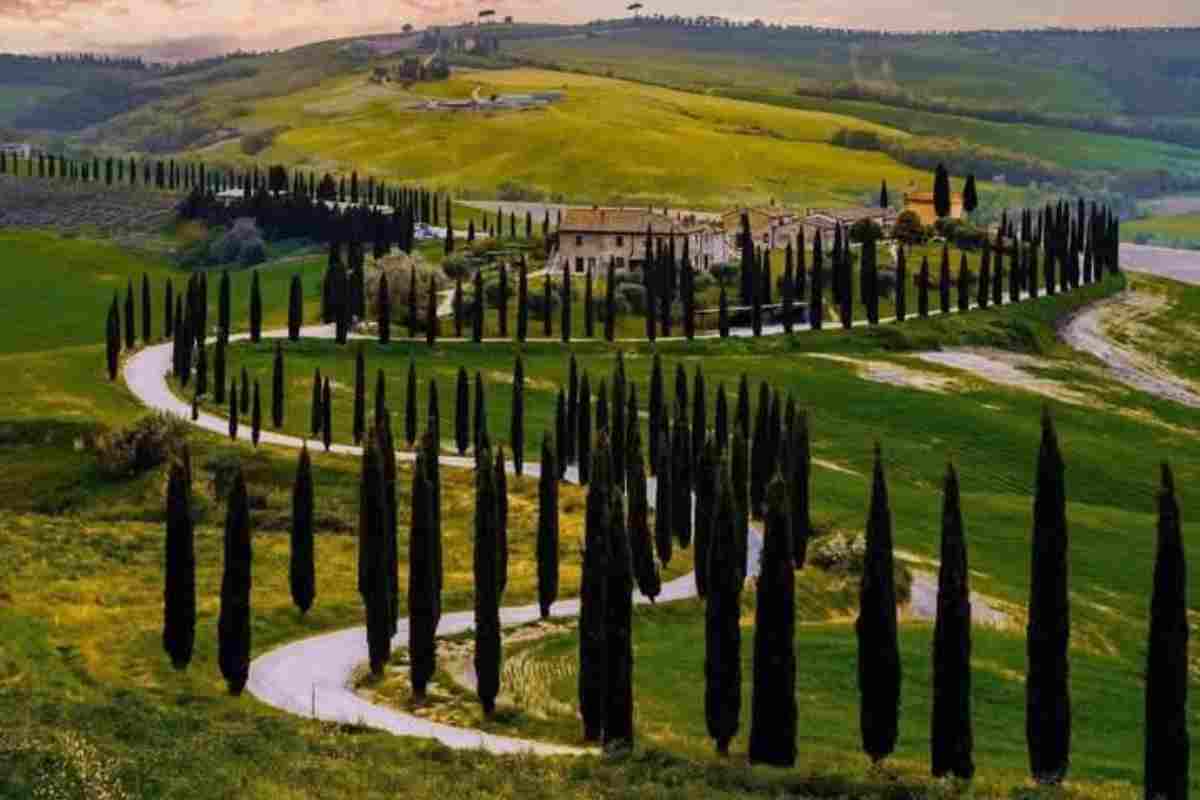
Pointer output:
x,y
312,677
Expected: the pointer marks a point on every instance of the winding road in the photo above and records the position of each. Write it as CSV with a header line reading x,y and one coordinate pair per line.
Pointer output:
x,y
312,677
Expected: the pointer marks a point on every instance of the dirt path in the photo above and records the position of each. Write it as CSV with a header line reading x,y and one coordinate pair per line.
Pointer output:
x,y
1087,331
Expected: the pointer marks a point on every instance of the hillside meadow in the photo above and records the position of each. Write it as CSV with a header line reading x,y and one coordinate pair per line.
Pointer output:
x,y
607,141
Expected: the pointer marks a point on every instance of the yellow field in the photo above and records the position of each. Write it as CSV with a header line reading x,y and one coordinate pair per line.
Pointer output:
x,y
606,141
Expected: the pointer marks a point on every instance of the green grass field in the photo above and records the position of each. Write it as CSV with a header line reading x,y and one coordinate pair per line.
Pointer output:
x,y
93,704
15,100
690,149
1181,230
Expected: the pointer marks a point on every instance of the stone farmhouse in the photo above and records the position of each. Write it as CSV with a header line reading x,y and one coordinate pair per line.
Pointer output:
x,y
921,204
589,237
826,220
768,224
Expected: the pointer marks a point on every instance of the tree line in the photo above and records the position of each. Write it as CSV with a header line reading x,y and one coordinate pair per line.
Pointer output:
x,y
752,463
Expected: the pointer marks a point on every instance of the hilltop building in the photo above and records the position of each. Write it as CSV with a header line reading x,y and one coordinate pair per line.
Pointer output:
x,y
589,237
921,204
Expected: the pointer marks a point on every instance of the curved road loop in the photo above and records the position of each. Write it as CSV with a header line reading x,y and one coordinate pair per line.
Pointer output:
x,y
312,677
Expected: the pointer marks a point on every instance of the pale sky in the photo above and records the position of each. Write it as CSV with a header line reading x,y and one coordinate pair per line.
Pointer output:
x,y
174,28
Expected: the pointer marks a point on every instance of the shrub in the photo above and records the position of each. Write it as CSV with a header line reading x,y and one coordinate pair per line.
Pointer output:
x,y
398,267
908,228
254,143
634,295
961,234
241,244
865,230
141,446
843,553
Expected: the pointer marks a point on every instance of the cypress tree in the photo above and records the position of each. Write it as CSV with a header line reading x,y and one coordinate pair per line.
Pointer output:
x,y
233,622
998,278
112,341
277,387
773,696
618,633
641,541
223,304
1167,743
256,416
566,449
517,420
179,606
547,531
383,308
870,281
699,417
655,411
985,276
523,302
723,313
219,370
739,475
244,401
789,268
326,416
583,430
722,634
130,322
145,308
970,195
431,319
547,307
964,275
301,567
610,302
255,309
620,430
233,409
1047,691
458,307
816,302
360,395
681,478
560,433
589,315
878,646
593,591
380,395
721,419
501,518
295,308
424,603
761,463
951,740
800,469
502,305
602,408
462,412
487,594
663,499
941,191
706,471
374,581
478,309
944,281
318,417
565,323
923,289
410,405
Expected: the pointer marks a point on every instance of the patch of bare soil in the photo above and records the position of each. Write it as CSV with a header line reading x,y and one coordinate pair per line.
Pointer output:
x,y
894,374
922,604
1007,369
1097,330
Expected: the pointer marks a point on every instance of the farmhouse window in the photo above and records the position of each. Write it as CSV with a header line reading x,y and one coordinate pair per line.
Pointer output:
x,y
579,241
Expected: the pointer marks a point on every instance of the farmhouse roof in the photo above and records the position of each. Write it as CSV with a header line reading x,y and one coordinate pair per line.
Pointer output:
x,y
848,216
615,220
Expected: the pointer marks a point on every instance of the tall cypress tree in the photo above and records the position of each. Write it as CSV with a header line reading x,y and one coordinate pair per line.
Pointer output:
x,y
501,518
502,304
457,307
374,581
800,470
560,433
761,463
487,594
565,323
480,417
985,277
923,289
583,430
462,412
255,309
146,308
112,341
233,409
1167,745
593,591
721,419
663,500
641,541
610,302
517,421
130,321
964,284
383,310
547,305
295,308
618,633
655,411
233,622
773,697
941,192
326,416
723,313
223,304
878,645
424,604
431,318
256,416
1047,691
410,404
944,281
816,302
168,309
547,530
317,417
681,478
179,606
706,498
277,387
722,634
523,302
360,395
589,314
951,739
699,417
301,565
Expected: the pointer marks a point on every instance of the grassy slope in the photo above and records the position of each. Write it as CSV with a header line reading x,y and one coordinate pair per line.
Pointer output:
x,y
939,70
608,140
80,668
1178,229
15,100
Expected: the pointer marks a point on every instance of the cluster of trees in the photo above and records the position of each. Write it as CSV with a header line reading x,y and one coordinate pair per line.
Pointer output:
x,y
753,462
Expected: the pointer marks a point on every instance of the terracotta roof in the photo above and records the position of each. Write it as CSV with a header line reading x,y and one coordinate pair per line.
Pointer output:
x,y
615,220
